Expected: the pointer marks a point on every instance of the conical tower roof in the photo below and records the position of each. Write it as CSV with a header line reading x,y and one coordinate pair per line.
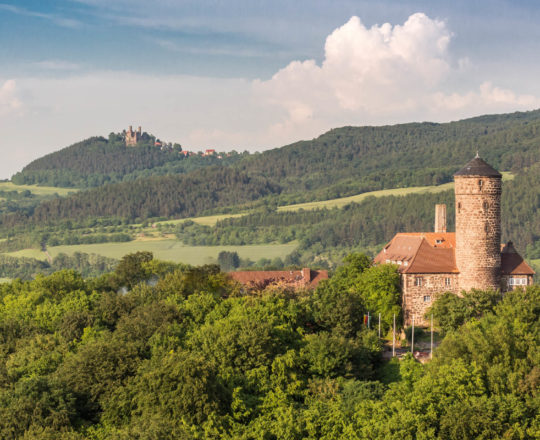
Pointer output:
x,y
478,167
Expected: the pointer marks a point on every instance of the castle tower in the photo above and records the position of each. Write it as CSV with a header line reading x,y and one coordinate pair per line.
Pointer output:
x,y
478,189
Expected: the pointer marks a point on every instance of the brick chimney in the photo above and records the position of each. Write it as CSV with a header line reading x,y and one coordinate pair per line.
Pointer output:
x,y
440,218
306,275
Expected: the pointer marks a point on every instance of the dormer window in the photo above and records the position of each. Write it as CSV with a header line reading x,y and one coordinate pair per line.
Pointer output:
x,y
439,241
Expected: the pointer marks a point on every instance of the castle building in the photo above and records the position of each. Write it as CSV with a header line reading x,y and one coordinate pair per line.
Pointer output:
x,y
133,137
431,263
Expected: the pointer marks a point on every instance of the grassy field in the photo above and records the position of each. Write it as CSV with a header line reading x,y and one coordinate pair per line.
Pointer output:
x,y
5,280
170,250
339,203
37,190
210,220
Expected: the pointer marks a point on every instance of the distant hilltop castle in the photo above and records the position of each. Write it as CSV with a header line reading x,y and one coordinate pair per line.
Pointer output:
x,y
133,137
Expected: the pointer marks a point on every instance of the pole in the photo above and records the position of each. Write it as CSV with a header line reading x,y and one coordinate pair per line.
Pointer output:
x,y
394,338
431,347
367,319
412,336
379,326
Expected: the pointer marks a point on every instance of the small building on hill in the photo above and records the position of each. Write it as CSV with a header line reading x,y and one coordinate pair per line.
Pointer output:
x,y
431,263
133,137
293,279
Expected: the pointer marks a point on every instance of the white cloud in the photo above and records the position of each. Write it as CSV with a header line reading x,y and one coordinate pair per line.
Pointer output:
x,y
382,74
9,102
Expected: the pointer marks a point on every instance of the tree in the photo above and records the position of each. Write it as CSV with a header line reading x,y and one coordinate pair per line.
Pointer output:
x,y
228,260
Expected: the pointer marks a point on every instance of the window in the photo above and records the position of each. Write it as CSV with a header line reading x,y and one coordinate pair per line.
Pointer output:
x,y
418,281
485,205
459,207
399,262
427,298
480,185
447,282
405,263
486,228
517,281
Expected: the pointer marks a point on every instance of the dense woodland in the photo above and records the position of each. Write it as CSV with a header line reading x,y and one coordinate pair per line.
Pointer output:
x,y
188,356
165,196
98,161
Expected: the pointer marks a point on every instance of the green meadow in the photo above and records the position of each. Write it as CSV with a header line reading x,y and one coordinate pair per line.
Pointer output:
x,y
169,250
37,190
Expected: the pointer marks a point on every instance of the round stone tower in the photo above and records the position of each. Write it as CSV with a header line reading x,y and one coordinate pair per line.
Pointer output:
x,y
478,189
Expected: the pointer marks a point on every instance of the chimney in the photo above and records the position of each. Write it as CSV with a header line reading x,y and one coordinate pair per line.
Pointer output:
x,y
306,275
440,218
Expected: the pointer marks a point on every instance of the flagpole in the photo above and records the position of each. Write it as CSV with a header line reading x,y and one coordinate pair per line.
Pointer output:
x,y
379,325
394,338
412,336
431,347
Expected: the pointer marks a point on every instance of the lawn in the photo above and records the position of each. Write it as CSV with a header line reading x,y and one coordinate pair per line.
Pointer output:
x,y
37,190
170,250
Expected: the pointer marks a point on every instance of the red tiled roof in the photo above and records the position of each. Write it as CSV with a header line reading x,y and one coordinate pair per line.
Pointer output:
x,y
431,252
512,263
421,252
305,278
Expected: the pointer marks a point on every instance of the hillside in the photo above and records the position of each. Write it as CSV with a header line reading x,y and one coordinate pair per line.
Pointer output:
x,y
164,196
339,163
351,160
98,161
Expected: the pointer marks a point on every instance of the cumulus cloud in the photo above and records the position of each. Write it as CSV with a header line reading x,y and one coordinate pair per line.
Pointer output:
x,y
9,102
381,74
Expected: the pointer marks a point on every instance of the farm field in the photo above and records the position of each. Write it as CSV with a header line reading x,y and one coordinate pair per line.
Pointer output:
x,y
5,280
37,190
169,250
210,220
339,203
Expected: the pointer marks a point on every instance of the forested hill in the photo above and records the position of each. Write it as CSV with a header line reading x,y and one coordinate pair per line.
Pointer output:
x,y
351,160
343,161
162,196
98,161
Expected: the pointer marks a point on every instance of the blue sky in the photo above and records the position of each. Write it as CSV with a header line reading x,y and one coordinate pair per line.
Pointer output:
x,y
254,74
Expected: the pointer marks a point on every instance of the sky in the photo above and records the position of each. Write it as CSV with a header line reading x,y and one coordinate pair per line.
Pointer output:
x,y
254,74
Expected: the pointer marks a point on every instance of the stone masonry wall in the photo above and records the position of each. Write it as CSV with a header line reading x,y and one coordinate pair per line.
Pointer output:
x,y
432,285
478,231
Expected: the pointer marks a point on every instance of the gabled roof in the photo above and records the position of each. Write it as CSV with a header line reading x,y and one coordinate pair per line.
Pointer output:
x,y
478,167
432,252
421,252
512,263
